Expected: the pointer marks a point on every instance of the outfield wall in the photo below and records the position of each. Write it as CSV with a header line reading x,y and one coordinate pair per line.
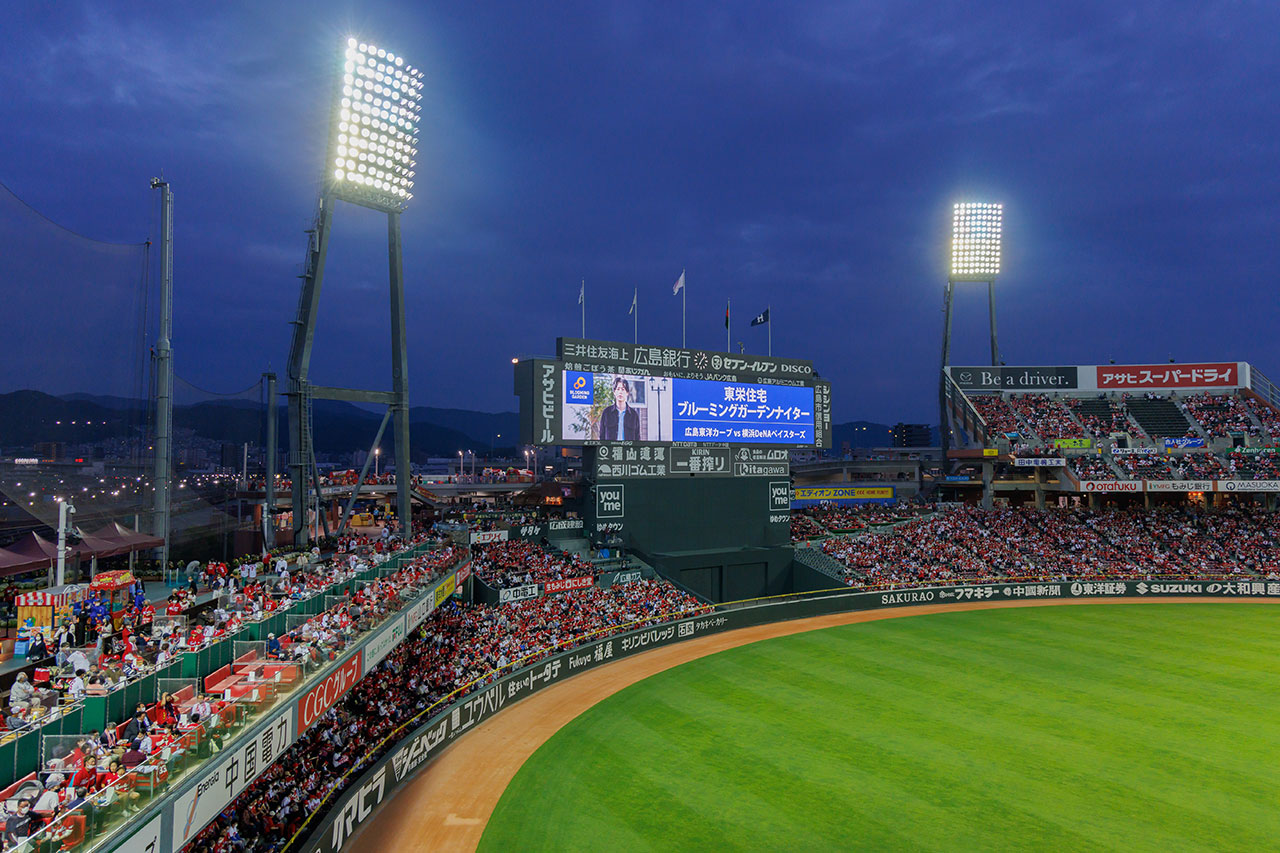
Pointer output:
x,y
422,744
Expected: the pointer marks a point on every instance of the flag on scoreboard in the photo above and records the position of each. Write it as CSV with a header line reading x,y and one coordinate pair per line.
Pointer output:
x,y
582,292
726,313
761,318
634,294
679,286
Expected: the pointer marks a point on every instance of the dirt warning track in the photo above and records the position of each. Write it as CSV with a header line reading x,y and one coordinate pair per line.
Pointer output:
x,y
448,804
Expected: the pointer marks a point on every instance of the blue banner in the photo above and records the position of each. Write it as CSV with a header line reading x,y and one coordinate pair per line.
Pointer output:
x,y
579,388
1183,442
741,413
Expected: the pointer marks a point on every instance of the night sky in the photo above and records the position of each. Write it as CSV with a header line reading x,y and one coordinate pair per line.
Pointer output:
x,y
799,155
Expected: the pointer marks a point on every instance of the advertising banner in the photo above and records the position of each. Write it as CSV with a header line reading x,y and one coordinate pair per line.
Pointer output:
x,y
419,612
1183,442
518,593
616,356
228,777
1039,462
806,495
464,572
1015,378
445,589
565,584
1132,451
610,500
386,640
701,461
1179,485
1132,376
324,695
377,784
1110,486
1073,443
487,537
1249,485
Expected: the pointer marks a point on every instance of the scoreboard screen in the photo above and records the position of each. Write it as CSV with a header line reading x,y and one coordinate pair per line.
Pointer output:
x,y
600,393
628,407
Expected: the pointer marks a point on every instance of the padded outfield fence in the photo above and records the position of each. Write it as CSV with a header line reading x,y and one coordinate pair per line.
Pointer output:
x,y
420,739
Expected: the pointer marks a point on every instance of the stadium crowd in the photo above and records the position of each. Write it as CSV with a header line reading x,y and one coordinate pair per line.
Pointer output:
x,y
459,649
967,544
514,563
106,768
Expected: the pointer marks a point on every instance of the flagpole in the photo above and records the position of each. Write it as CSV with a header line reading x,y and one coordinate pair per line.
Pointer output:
x,y
635,315
727,346
770,310
684,296
583,300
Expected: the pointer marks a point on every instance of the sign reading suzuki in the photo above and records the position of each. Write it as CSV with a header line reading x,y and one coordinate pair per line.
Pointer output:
x,y
324,695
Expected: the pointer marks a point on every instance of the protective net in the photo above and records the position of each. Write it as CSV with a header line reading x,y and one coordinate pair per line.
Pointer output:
x,y
77,414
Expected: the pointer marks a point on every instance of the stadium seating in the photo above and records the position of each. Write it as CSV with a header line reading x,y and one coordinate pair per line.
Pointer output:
x,y
1159,418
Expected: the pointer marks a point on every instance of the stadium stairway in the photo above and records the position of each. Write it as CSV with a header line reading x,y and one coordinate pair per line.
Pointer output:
x,y
1161,418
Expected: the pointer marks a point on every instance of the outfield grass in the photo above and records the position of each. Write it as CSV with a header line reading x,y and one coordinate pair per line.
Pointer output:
x,y
1122,727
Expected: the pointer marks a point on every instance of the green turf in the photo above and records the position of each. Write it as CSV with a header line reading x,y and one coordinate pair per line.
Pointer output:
x,y
1131,727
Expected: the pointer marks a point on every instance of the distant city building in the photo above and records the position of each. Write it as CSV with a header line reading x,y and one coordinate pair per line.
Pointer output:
x,y
49,450
912,435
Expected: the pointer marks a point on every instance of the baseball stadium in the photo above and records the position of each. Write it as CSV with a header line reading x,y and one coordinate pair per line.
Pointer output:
x,y
682,611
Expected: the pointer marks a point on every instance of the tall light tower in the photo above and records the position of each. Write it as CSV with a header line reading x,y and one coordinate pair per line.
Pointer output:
x,y
373,146
975,257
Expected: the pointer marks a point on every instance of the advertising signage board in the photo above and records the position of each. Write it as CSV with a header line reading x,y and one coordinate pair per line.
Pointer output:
x,y
359,803
619,357
1102,377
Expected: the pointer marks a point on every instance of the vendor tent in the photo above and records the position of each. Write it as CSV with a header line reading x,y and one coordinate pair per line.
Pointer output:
x,y
124,538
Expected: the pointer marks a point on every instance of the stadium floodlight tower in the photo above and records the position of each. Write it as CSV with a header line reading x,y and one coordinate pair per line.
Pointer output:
x,y
975,257
373,146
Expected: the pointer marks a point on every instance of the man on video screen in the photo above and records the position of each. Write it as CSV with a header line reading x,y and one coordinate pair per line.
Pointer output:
x,y
620,422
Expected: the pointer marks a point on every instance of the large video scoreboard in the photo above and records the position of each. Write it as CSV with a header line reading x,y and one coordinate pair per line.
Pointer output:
x,y
605,393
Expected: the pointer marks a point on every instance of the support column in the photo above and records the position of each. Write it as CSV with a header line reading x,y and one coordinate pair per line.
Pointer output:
x,y
268,520
1040,483
164,377
995,347
400,379
988,491
304,330
944,430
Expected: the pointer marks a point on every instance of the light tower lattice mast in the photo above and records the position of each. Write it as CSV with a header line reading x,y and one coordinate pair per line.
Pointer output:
x,y
373,143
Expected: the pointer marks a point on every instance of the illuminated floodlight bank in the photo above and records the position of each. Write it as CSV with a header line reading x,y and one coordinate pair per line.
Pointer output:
x,y
975,240
373,139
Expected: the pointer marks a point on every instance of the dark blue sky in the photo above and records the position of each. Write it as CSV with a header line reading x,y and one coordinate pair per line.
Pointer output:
x,y
802,155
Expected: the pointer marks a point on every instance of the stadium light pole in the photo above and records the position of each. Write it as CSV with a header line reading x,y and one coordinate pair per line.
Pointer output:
x,y
370,162
164,377
975,257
